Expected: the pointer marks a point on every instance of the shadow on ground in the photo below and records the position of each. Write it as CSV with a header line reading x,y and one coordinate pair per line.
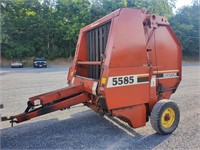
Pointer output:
x,y
85,130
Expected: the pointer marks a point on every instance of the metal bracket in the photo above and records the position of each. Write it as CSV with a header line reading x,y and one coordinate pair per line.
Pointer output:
x,y
12,121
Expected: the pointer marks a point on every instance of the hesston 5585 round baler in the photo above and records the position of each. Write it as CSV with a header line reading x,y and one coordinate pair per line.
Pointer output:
x,y
127,65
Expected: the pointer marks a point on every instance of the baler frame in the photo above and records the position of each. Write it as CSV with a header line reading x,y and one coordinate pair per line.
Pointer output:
x,y
131,90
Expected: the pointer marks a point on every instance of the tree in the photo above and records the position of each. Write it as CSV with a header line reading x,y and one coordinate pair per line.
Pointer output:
x,y
186,26
17,16
50,28
73,15
100,8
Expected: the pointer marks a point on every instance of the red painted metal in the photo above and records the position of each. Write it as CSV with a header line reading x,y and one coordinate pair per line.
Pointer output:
x,y
135,116
138,44
51,108
55,95
135,62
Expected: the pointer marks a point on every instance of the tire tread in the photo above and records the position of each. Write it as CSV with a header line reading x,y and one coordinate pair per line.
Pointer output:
x,y
156,112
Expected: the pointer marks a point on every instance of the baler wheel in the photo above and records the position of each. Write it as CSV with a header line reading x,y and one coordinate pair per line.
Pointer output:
x,y
165,116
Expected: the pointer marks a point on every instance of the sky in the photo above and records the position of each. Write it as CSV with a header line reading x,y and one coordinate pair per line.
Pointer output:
x,y
180,3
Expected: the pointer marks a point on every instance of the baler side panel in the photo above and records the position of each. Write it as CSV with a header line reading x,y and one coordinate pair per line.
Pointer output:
x,y
150,46
152,63
128,93
166,47
168,58
127,57
129,47
163,49
179,49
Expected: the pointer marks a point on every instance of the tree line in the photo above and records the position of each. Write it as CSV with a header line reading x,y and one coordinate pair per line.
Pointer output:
x,y
50,28
186,25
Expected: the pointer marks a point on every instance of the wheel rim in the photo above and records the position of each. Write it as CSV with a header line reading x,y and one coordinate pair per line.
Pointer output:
x,y
168,118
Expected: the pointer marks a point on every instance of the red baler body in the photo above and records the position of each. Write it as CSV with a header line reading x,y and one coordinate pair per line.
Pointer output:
x,y
124,64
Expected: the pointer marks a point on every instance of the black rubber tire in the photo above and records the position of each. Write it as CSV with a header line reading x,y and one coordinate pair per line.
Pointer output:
x,y
156,115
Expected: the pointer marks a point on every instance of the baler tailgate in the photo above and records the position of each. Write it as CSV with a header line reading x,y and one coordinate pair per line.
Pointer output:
x,y
50,102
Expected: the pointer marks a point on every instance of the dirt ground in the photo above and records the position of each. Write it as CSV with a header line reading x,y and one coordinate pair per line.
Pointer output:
x,y
80,127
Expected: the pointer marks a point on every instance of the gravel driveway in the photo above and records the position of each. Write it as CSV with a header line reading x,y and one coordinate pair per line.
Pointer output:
x,y
80,127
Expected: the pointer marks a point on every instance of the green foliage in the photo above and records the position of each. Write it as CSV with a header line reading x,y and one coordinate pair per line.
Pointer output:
x,y
186,26
50,28
159,7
